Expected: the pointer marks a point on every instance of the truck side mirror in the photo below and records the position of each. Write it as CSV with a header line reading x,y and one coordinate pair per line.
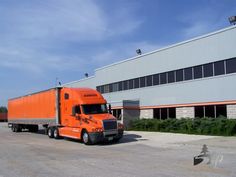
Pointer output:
x,y
109,108
76,110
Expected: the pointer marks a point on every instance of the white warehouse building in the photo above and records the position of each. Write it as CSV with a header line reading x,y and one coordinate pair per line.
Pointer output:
x,y
194,78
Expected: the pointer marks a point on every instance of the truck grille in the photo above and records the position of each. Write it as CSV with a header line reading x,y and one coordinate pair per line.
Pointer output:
x,y
109,124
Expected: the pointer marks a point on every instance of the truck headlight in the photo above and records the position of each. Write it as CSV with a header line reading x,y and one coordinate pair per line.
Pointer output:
x,y
97,129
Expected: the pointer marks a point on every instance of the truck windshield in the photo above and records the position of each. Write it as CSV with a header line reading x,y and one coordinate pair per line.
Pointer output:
x,y
94,108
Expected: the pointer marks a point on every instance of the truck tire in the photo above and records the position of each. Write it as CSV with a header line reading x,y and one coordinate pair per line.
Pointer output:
x,y
56,134
13,128
16,128
85,138
50,132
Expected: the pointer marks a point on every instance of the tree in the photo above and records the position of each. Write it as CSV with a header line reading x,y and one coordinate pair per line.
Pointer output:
x,y
3,109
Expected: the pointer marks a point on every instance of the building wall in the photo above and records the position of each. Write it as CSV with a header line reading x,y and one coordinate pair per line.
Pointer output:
x,y
146,114
90,82
213,47
185,112
195,91
231,111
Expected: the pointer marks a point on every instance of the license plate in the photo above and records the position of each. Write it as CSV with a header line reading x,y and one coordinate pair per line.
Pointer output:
x,y
110,138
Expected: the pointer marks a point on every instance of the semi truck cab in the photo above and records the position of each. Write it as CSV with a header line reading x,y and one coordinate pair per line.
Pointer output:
x,y
84,115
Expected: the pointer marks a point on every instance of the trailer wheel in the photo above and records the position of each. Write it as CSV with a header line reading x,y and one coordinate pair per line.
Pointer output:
x,y
50,132
13,128
16,128
86,138
56,133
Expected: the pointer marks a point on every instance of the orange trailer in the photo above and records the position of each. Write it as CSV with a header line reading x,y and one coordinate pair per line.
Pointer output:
x,y
79,113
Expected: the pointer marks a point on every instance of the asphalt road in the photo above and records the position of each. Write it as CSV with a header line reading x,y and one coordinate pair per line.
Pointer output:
x,y
144,154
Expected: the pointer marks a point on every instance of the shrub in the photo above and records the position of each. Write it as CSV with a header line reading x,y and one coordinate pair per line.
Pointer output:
x,y
202,126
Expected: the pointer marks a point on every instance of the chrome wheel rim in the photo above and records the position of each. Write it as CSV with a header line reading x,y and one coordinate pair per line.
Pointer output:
x,y
50,132
55,133
85,137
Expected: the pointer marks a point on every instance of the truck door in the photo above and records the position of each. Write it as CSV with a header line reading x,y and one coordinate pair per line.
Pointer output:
x,y
70,122
66,104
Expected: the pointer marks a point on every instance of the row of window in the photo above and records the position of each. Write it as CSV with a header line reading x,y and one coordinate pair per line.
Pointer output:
x,y
164,113
196,72
213,111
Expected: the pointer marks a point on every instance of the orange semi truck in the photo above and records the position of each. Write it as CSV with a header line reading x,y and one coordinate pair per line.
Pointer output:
x,y
78,113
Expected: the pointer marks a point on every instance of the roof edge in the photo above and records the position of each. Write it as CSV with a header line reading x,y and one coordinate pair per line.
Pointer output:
x,y
87,78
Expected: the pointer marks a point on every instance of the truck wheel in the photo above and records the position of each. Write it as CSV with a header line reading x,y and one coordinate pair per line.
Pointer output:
x,y
50,132
19,128
13,128
56,133
16,128
86,138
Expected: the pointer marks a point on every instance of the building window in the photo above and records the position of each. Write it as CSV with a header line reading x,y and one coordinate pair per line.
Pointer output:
x,y
156,113
102,89
136,83
131,84
171,76
219,68
149,80
197,72
188,73
221,111
179,75
156,79
172,112
163,78
142,82
115,87
98,88
120,86
111,88
210,111
231,66
106,88
164,114
208,70
126,85
199,111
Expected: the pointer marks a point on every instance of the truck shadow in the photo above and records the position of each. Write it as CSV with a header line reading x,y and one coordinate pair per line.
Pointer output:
x,y
127,138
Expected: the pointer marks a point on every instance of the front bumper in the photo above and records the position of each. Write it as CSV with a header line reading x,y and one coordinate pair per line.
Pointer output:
x,y
96,137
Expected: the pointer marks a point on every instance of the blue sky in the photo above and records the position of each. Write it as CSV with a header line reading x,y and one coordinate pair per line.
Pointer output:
x,y
44,40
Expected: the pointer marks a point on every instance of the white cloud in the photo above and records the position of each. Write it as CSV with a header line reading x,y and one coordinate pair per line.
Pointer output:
x,y
56,19
33,33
